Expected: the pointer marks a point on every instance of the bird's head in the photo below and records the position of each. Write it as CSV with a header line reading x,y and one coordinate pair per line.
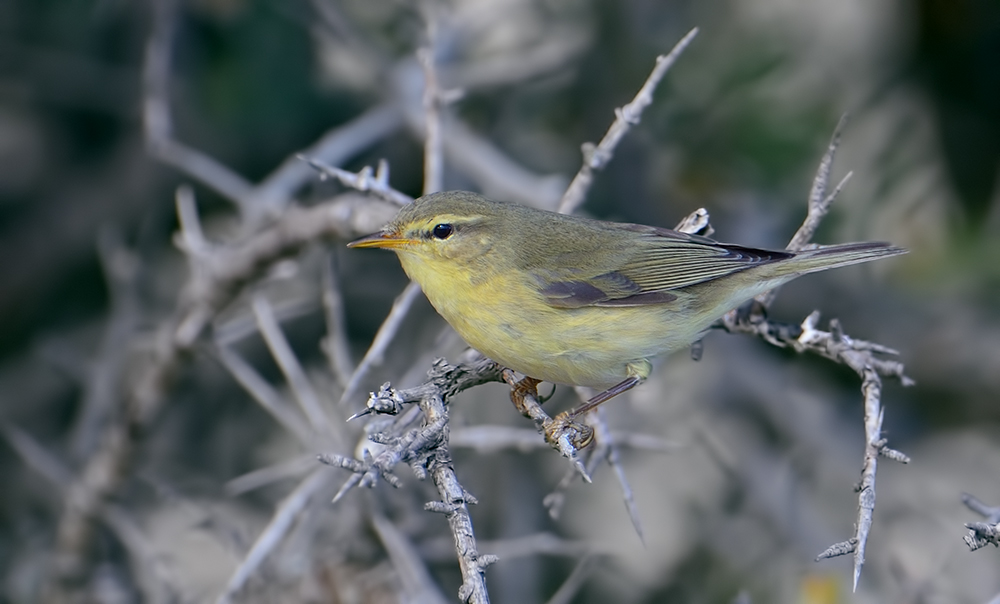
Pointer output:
x,y
450,228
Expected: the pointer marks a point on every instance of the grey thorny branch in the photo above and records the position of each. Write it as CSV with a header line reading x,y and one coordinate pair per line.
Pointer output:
x,y
219,272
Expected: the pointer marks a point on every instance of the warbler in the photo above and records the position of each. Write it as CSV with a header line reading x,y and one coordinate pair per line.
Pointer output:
x,y
571,300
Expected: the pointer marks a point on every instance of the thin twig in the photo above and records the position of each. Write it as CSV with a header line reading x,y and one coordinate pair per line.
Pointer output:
x,y
819,203
121,268
608,449
333,148
224,273
335,344
281,521
365,181
282,352
267,475
157,119
154,578
433,154
416,581
265,394
383,338
568,590
859,356
595,158
538,544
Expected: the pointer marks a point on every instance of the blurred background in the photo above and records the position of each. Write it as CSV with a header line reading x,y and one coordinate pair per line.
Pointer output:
x,y
762,447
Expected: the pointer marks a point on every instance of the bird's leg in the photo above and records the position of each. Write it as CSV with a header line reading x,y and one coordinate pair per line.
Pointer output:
x,y
521,388
622,386
581,434
524,395
637,371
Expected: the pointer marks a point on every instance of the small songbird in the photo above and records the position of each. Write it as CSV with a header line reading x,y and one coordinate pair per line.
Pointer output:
x,y
570,300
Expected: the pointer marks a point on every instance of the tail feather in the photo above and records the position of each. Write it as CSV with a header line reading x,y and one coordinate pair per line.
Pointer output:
x,y
834,256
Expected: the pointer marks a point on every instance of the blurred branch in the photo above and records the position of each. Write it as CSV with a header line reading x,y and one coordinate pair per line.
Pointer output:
x,y
294,467
281,350
281,522
264,394
217,276
568,590
492,170
333,148
383,338
335,345
595,158
433,156
417,583
272,194
607,448
538,544
158,123
121,268
155,581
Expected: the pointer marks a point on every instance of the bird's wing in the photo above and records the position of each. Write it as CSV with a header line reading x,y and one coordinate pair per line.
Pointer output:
x,y
654,265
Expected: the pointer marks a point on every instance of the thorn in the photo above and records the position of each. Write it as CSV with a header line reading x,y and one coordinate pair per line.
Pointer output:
x,y
360,414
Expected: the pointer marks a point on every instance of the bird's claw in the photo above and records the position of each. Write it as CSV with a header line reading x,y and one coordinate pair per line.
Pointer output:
x,y
563,428
519,389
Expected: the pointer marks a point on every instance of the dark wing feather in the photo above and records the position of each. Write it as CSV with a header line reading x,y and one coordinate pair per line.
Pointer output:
x,y
647,270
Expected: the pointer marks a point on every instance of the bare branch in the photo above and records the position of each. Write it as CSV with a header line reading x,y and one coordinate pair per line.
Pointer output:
x,y
538,544
335,344
153,577
982,534
819,203
568,590
262,477
494,172
696,223
281,522
425,449
416,580
454,505
859,356
363,180
433,154
303,390
265,395
158,122
335,147
383,338
595,158
608,449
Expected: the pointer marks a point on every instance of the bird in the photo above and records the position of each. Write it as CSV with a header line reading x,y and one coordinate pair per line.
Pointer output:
x,y
572,300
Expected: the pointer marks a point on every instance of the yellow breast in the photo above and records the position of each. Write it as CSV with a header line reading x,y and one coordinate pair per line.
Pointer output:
x,y
505,318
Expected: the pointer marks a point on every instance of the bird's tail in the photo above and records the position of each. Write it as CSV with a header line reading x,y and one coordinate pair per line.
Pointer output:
x,y
834,256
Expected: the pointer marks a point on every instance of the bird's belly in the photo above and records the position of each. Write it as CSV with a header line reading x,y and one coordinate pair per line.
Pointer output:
x,y
590,346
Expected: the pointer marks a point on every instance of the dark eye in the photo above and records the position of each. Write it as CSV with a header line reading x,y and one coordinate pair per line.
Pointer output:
x,y
442,231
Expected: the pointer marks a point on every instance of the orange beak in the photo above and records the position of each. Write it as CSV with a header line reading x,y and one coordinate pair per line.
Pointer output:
x,y
383,240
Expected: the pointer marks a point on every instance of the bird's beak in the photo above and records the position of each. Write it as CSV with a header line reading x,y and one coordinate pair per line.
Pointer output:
x,y
381,239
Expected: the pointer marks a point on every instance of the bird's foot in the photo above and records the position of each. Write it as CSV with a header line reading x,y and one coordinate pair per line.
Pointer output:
x,y
564,430
519,389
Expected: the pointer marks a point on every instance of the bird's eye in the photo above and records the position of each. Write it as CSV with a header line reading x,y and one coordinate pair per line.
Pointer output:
x,y
442,231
